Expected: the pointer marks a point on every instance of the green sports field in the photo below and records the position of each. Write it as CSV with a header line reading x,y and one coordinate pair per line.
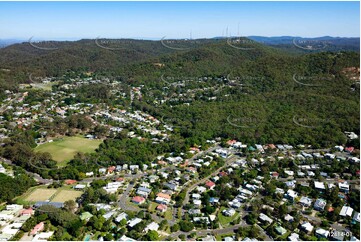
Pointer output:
x,y
64,149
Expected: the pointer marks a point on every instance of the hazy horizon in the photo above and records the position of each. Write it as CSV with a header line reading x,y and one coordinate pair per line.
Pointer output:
x,y
176,20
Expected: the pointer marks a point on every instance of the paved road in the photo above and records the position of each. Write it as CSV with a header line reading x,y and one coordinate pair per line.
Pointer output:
x,y
227,230
36,176
193,186
124,198
328,180
125,195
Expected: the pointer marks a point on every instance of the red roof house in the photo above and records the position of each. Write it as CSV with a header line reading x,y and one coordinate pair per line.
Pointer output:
x,y
210,184
70,182
120,179
39,227
275,174
138,200
231,142
223,173
162,208
111,169
28,211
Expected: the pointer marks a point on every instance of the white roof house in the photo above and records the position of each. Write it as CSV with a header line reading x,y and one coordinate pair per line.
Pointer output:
x,y
346,211
319,185
197,202
263,217
305,201
134,222
294,237
229,212
121,216
344,186
307,226
79,186
356,217
43,236
196,196
292,194
289,218
290,173
152,226
322,232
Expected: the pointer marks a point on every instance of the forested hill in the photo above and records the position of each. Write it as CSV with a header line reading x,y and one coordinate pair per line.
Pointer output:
x,y
53,58
309,96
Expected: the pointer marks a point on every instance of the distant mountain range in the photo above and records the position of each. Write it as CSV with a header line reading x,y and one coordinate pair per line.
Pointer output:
x,y
130,56
345,43
309,78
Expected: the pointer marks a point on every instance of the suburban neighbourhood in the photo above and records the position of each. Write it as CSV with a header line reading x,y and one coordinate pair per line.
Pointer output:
x,y
228,191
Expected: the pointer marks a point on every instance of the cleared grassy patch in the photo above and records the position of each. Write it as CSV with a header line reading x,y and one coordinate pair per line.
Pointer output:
x,y
65,195
54,195
168,214
225,220
152,206
40,194
64,149
220,237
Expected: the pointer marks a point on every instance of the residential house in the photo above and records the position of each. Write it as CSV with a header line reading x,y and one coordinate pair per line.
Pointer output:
x,y
264,218
138,200
121,216
201,189
38,228
291,184
229,212
194,211
163,198
344,187
346,211
112,187
280,230
162,208
86,216
213,200
289,218
43,236
143,191
356,217
27,212
197,203
320,204
322,233
152,226
134,221
319,186
291,195
305,201
307,226
210,185
294,237
172,186
111,170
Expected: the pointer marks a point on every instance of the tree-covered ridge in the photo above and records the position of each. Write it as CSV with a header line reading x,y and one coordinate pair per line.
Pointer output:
x,y
254,93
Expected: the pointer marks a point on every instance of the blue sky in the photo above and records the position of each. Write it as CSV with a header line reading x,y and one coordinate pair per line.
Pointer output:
x,y
153,20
